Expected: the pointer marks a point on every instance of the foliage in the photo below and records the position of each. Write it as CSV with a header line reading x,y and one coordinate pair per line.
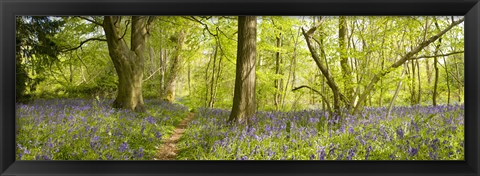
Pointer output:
x,y
35,50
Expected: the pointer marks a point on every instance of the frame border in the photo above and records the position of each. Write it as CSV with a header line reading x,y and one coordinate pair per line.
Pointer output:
x,y
11,8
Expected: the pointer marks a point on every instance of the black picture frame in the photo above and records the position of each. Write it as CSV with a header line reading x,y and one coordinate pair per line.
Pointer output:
x,y
10,8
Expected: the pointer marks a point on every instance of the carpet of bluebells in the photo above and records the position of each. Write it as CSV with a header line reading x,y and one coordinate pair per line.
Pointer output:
x,y
409,133
80,129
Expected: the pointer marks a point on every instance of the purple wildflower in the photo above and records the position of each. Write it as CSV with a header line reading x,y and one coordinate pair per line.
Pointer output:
x,y
158,135
123,147
400,132
412,151
350,130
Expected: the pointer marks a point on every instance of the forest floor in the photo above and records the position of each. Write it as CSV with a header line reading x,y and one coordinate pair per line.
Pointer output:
x,y
168,150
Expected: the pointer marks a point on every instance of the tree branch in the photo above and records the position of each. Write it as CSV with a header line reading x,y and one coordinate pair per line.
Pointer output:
x,y
91,20
126,28
448,54
83,42
318,92
152,74
205,26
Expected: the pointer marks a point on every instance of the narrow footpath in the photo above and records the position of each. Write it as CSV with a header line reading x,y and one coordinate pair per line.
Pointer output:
x,y
168,150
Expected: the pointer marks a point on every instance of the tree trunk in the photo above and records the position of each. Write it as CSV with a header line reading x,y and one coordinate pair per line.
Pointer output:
x,y
291,73
278,81
128,62
217,79
163,63
170,87
396,93
244,106
70,80
435,84
207,76
419,98
152,60
212,80
189,78
435,66
429,73
413,92
460,85
448,82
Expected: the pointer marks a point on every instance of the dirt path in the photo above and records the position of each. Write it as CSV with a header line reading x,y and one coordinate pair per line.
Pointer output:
x,y
168,150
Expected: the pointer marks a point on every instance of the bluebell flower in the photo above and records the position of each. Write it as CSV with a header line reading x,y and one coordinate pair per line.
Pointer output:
x,y
151,120
369,149
140,152
400,133
350,130
158,135
123,147
412,151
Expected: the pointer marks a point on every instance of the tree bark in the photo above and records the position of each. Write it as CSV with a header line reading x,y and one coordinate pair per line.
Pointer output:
x,y
128,62
244,106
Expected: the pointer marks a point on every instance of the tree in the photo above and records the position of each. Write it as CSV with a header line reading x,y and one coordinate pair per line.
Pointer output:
x,y
35,50
435,66
337,95
244,106
128,61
